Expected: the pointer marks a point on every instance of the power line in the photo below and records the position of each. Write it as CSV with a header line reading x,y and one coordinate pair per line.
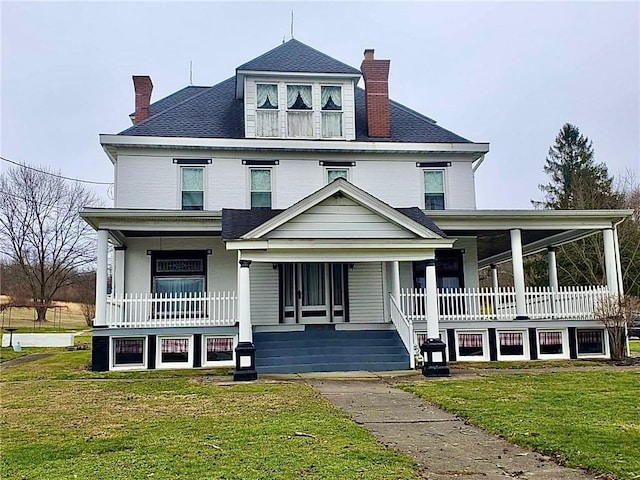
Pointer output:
x,y
54,174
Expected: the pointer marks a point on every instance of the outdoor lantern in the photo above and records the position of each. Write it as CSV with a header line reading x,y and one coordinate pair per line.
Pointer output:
x,y
245,363
435,360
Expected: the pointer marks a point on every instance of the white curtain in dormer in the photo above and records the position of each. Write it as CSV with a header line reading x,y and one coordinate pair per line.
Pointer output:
x,y
267,92
304,91
333,93
331,103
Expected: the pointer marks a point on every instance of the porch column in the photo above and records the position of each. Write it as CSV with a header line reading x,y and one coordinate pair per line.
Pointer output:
x,y
518,272
118,267
610,261
494,287
245,350
433,324
395,281
553,268
433,350
245,333
101,280
618,265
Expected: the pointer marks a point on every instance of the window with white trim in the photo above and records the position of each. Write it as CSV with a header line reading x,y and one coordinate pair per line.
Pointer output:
x,y
217,350
179,277
511,344
260,186
590,341
471,344
268,124
434,189
334,173
299,111
331,110
128,352
174,352
192,188
550,342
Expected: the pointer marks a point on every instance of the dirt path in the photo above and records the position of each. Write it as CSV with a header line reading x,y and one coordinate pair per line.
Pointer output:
x,y
445,446
32,357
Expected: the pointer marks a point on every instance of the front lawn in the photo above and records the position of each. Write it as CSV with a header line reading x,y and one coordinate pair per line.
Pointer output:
x,y
184,427
634,346
587,419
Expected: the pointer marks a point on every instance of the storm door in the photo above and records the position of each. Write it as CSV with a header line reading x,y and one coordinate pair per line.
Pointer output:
x,y
313,292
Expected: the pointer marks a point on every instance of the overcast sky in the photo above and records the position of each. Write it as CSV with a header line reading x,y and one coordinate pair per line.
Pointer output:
x,y
507,73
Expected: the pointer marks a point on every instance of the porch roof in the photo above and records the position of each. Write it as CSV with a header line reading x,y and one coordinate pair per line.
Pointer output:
x,y
540,228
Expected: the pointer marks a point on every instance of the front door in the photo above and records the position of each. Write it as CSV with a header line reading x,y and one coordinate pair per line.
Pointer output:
x,y
313,292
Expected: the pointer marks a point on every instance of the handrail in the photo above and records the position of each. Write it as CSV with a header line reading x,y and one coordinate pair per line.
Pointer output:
x,y
485,303
195,309
404,327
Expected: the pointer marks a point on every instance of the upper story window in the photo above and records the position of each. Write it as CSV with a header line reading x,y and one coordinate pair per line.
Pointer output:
x,y
260,186
299,111
192,186
267,123
333,173
331,105
434,189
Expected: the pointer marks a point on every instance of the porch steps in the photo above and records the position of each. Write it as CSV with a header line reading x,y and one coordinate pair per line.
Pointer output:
x,y
329,351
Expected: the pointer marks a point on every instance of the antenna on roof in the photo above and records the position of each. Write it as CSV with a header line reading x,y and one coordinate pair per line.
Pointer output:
x,y
191,72
291,23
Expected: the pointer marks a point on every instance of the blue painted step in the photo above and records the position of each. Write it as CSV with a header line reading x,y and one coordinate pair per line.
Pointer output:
x,y
323,350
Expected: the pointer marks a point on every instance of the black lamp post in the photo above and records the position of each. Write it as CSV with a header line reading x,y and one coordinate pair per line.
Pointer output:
x,y
435,360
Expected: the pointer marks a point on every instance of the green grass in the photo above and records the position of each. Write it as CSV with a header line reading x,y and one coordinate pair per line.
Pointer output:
x,y
531,364
184,427
587,419
634,346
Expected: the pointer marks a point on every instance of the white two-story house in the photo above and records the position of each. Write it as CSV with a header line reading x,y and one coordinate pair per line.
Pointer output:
x,y
286,220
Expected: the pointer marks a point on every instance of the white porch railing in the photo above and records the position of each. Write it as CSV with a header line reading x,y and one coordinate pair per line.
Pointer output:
x,y
142,310
404,327
576,303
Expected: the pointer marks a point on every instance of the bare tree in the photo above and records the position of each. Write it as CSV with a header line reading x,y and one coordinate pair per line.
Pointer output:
x,y
617,314
41,231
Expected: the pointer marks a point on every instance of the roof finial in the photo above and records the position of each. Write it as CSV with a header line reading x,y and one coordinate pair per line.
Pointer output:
x,y
191,72
291,23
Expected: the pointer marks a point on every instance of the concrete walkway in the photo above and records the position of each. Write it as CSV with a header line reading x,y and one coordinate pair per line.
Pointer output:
x,y
444,445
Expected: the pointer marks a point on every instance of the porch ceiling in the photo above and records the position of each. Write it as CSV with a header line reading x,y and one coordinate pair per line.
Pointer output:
x,y
540,228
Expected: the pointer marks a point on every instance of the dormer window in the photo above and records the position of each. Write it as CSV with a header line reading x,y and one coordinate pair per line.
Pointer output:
x,y
267,105
299,111
331,103
267,96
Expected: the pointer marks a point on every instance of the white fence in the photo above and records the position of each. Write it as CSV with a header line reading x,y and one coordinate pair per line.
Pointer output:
x,y
141,310
404,326
576,303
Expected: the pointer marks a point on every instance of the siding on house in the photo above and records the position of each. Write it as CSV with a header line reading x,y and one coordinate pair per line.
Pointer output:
x,y
339,218
264,294
153,180
221,264
366,293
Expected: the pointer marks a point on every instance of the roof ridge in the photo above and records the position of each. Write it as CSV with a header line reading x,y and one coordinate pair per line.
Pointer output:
x,y
159,114
295,41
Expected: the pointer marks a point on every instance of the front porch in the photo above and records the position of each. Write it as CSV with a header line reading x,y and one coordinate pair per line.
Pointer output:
x,y
339,258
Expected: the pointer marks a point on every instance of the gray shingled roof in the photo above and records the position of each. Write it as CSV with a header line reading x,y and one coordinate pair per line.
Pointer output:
x,y
173,99
295,56
237,222
214,112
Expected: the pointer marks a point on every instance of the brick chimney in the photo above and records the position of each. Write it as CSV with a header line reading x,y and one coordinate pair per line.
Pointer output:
x,y
376,86
142,86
